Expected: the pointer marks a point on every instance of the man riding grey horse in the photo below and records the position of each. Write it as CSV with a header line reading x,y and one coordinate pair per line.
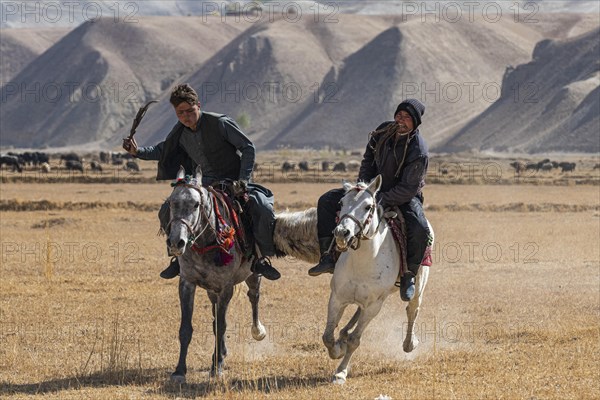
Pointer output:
x,y
398,152
215,143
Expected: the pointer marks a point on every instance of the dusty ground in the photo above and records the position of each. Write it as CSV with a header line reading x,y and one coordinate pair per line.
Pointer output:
x,y
512,308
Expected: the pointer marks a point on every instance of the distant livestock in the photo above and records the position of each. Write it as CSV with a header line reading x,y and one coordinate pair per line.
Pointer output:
x,y
288,166
547,166
340,167
567,166
518,166
96,166
31,158
104,157
73,165
303,166
11,161
45,168
70,157
132,166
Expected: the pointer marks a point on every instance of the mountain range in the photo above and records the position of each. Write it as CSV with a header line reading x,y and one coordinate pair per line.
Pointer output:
x,y
308,81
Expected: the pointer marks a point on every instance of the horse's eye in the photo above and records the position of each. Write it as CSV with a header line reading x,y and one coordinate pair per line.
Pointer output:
x,y
197,205
367,208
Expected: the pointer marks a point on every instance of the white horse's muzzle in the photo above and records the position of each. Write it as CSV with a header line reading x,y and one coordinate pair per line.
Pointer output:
x,y
343,238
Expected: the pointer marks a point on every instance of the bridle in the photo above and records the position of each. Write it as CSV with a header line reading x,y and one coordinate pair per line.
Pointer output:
x,y
202,215
354,242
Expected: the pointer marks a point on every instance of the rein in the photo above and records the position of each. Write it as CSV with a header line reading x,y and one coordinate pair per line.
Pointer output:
x,y
224,238
355,240
203,215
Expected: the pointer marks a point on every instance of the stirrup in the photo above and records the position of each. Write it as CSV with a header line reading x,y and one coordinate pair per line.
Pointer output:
x,y
262,266
326,265
172,269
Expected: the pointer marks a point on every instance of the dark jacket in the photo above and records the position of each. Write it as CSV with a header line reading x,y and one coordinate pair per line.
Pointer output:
x,y
220,150
400,189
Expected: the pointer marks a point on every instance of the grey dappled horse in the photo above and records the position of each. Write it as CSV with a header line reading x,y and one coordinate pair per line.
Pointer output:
x,y
192,234
192,228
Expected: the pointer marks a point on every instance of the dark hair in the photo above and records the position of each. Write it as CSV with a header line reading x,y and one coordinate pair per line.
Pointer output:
x,y
183,93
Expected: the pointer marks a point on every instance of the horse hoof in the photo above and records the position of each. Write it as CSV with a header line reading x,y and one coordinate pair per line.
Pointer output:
x,y
259,332
178,379
410,345
218,374
339,379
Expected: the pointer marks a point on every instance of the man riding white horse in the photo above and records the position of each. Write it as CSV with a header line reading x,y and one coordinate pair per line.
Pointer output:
x,y
399,153
211,141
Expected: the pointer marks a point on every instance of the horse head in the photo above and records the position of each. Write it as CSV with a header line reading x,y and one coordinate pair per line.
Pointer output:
x,y
188,204
358,219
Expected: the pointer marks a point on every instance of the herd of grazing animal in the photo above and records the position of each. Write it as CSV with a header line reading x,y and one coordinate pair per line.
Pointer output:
x,y
38,161
545,165
352,165
18,162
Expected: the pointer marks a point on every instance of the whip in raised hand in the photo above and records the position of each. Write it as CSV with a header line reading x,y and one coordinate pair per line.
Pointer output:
x,y
129,143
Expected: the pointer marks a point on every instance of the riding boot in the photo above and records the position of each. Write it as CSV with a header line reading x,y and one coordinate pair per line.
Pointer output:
x,y
407,283
172,270
262,266
327,262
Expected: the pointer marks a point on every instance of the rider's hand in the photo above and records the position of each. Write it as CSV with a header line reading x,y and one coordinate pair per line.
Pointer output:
x,y
130,145
240,187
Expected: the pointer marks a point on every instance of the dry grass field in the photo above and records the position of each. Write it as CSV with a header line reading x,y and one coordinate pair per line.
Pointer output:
x,y
511,310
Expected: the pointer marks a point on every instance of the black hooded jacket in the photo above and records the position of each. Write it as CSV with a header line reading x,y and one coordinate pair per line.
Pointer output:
x,y
396,188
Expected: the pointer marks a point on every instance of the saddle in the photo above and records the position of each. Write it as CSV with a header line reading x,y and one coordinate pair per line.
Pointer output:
x,y
393,217
395,220
234,196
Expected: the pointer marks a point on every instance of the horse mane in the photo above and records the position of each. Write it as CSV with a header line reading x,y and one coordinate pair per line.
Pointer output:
x,y
296,234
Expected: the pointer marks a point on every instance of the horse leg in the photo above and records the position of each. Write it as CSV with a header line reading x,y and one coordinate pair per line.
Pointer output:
x,y
343,336
186,301
220,304
364,318
335,310
258,330
412,309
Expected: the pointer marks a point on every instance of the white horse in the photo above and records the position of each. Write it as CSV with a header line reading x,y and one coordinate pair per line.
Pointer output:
x,y
365,276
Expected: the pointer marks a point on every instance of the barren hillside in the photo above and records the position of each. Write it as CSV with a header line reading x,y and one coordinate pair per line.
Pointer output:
x,y
549,104
298,83
315,84
87,87
18,47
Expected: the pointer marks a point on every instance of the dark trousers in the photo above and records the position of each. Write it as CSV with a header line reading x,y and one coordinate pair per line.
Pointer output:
x,y
417,230
260,209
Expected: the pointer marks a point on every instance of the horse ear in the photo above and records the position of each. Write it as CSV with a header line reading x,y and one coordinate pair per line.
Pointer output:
x,y
181,172
347,185
199,173
375,184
